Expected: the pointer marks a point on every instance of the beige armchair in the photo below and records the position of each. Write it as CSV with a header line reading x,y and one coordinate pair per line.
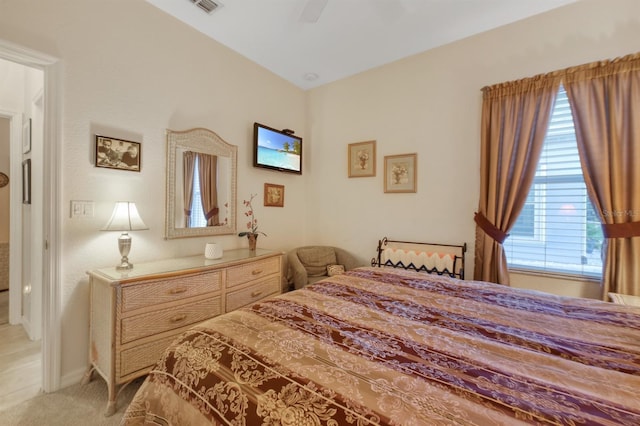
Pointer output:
x,y
309,264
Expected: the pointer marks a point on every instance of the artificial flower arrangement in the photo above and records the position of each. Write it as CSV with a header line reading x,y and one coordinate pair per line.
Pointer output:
x,y
252,224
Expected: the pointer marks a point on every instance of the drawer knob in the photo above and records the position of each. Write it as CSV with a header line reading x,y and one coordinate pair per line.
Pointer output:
x,y
256,293
178,318
178,290
256,272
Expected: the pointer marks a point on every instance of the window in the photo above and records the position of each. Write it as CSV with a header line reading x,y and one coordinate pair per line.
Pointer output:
x,y
197,219
558,229
526,226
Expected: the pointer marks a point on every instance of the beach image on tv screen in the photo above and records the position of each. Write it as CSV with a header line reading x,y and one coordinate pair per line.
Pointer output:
x,y
278,150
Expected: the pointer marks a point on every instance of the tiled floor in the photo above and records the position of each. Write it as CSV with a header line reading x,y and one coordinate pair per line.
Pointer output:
x,y
20,366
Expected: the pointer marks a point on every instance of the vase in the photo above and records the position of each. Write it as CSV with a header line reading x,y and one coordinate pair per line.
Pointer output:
x,y
253,239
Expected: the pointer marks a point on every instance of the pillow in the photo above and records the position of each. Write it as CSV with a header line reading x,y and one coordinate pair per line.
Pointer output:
x,y
316,259
624,299
335,270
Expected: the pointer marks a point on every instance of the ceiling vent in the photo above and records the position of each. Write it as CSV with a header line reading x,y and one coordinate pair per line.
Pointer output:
x,y
207,5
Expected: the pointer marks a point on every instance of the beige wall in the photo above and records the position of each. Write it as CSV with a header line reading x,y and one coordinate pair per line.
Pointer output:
x,y
429,104
4,168
557,285
130,71
12,78
4,205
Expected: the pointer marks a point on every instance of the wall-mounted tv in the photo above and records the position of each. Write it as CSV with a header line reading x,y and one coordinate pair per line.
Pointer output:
x,y
277,149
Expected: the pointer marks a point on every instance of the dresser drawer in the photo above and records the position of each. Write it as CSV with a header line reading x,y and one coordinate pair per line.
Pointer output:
x,y
154,292
253,293
152,323
253,271
143,356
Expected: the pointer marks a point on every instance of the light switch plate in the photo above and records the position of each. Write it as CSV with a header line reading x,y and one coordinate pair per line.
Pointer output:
x,y
80,208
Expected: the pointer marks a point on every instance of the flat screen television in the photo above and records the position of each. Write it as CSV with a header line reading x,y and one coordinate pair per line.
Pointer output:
x,y
277,149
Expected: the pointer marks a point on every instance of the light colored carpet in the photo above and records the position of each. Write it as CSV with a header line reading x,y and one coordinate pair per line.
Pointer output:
x,y
4,307
77,405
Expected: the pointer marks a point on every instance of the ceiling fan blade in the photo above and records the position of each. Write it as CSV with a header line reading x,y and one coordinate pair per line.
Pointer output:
x,y
312,10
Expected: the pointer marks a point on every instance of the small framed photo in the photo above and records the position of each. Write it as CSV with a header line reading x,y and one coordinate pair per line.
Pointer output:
x,y
26,137
115,153
362,159
273,195
400,173
26,181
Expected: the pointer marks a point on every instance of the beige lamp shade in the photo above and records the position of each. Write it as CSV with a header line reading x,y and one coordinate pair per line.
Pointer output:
x,y
125,217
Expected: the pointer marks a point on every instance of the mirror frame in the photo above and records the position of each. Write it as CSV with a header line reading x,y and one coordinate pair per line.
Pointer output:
x,y
208,142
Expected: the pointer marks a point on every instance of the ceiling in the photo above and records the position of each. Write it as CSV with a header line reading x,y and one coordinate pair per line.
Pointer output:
x,y
314,42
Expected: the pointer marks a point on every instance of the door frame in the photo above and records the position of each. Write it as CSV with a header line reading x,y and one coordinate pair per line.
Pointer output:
x,y
51,204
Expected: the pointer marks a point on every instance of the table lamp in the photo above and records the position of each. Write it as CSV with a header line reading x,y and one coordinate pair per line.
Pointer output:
x,y
125,218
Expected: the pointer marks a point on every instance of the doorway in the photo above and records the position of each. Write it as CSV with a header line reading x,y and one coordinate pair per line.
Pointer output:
x,y
42,284
20,230
4,220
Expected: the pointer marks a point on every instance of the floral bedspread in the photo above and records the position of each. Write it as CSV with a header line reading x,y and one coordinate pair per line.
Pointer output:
x,y
379,346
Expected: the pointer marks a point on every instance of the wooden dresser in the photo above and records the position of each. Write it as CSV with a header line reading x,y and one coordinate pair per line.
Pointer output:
x,y
136,314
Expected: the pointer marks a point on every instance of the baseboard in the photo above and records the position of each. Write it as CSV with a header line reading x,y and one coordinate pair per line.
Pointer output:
x,y
72,378
26,324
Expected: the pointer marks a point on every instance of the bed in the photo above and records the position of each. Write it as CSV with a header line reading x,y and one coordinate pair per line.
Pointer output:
x,y
388,346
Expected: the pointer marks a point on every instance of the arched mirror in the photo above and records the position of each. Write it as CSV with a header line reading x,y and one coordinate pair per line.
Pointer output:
x,y
201,184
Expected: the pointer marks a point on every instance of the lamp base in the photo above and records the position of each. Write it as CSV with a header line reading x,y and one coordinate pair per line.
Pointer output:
x,y
124,244
124,265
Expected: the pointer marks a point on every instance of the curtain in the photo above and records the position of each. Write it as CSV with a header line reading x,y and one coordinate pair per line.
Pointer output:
x,y
605,102
208,175
515,116
189,162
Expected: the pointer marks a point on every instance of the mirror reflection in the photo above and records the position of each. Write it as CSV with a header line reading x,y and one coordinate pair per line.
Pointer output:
x,y
201,184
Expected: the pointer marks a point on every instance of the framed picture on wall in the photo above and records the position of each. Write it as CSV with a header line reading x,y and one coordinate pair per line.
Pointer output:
x,y
26,136
273,195
362,159
4,180
26,181
115,153
400,173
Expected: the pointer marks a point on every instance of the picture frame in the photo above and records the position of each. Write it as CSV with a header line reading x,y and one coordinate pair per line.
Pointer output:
x,y
4,180
26,181
273,195
112,153
400,173
26,136
362,159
